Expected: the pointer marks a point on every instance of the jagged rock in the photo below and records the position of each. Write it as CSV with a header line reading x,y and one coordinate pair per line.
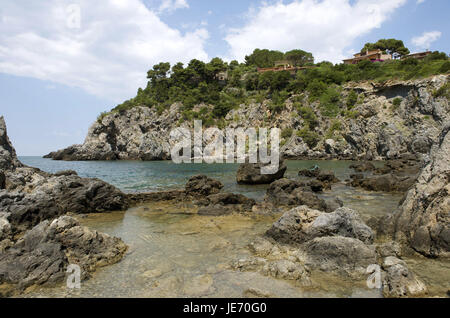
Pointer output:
x,y
54,196
423,221
5,226
225,203
399,281
338,254
45,251
250,173
288,192
202,185
302,224
8,157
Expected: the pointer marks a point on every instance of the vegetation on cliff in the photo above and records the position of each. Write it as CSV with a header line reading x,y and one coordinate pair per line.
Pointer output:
x,y
221,86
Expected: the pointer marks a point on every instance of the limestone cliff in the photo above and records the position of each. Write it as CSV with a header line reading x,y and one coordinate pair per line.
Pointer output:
x,y
389,120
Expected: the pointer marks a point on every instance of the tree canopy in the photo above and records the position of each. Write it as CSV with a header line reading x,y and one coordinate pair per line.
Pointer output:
x,y
391,46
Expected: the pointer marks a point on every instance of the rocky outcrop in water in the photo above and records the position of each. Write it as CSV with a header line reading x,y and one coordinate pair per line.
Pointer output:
x,y
423,221
44,253
250,173
8,157
287,192
375,128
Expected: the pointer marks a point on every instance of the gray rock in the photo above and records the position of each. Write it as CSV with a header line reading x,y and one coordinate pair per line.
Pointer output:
x,y
302,224
343,255
286,192
423,221
8,157
43,254
201,185
399,281
250,173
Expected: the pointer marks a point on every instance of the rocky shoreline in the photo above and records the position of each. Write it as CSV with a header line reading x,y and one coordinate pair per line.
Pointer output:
x,y
39,238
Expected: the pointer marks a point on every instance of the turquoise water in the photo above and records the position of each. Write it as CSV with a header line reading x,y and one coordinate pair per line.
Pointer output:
x,y
136,176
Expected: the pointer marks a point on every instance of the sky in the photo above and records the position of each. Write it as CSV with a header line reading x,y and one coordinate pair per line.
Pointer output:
x,y
62,62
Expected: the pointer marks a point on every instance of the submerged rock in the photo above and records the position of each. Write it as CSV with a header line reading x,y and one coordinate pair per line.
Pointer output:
x,y
43,254
225,203
385,183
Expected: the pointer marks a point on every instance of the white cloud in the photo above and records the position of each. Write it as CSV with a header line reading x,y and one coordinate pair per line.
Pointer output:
x,y
325,28
424,41
420,1
172,5
109,55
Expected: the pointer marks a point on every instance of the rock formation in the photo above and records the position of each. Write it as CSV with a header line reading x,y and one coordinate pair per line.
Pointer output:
x,y
376,130
36,242
250,173
423,221
43,254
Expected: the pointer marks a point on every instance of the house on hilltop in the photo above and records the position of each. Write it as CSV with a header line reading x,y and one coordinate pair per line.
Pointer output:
x,y
419,56
283,65
373,56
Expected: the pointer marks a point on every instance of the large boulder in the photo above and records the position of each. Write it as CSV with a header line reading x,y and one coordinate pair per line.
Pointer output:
x,y
201,185
53,196
423,221
8,157
43,254
338,254
250,173
302,224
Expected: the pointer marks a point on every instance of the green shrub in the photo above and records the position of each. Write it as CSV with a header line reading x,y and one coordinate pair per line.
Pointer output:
x,y
396,102
443,91
286,133
329,102
445,67
311,138
352,98
308,115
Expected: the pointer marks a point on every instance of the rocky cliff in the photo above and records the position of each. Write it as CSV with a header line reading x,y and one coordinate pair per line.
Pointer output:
x,y
389,120
424,217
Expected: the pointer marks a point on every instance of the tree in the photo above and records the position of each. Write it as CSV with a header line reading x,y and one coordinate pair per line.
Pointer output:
x,y
299,57
391,46
263,58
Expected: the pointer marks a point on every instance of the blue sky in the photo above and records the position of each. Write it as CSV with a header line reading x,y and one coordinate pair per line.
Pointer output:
x,y
63,62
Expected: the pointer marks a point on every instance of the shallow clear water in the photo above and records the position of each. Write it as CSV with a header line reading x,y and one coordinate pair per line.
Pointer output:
x,y
176,253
